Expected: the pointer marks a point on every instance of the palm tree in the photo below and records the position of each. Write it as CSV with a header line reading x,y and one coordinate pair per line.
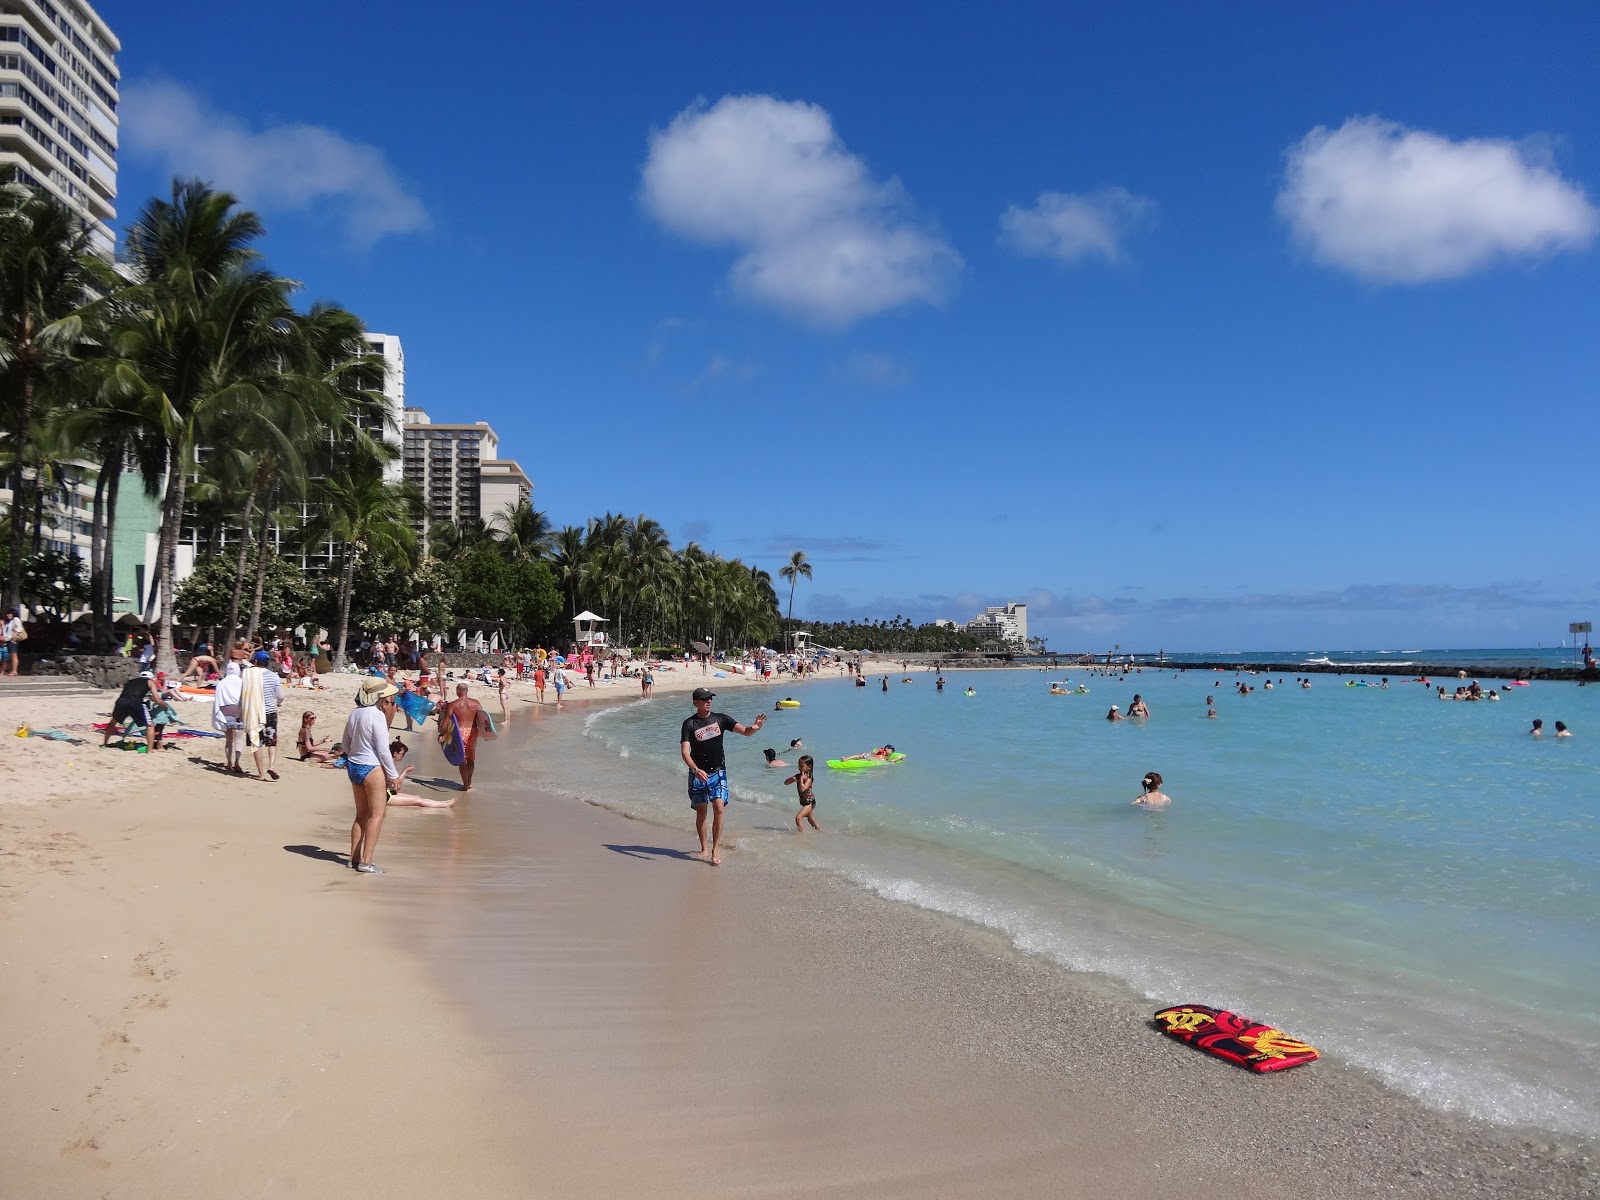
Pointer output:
x,y
365,514
796,570
567,559
117,431
48,277
322,395
204,332
523,530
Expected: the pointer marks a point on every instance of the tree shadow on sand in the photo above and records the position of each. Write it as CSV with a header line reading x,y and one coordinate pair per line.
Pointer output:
x,y
651,852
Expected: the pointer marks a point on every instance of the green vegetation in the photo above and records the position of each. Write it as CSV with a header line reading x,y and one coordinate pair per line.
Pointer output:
x,y
889,637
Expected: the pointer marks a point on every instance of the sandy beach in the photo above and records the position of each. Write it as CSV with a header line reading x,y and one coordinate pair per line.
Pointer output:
x,y
201,1001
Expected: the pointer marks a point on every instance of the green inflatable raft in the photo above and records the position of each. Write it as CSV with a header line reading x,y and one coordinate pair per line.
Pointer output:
x,y
857,764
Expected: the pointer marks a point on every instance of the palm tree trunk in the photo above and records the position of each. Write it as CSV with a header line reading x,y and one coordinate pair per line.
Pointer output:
x,y
97,540
172,518
19,447
345,588
38,515
263,550
108,584
245,531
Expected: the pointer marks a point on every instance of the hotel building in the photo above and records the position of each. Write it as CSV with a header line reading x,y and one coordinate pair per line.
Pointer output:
x,y
58,107
459,471
1006,623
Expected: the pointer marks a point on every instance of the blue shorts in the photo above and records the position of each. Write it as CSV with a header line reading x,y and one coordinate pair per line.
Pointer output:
x,y
5,651
715,788
358,772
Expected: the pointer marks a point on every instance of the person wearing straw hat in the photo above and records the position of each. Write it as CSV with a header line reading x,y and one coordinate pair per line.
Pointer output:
x,y
370,767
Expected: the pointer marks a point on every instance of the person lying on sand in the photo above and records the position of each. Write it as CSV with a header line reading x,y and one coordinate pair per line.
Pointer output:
x,y
397,799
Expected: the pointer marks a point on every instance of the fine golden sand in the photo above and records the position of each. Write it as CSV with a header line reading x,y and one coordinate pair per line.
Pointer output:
x,y
200,1002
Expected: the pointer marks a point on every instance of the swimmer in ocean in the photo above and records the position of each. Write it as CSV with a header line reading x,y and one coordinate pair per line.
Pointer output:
x,y
1538,728
1152,796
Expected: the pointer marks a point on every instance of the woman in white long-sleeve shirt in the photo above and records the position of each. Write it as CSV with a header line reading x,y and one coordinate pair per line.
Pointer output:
x,y
370,767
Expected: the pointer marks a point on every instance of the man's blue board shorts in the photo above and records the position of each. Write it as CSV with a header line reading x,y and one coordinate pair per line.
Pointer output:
x,y
714,788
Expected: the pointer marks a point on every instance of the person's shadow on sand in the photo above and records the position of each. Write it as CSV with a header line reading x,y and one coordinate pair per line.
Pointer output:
x,y
651,852
437,785
318,852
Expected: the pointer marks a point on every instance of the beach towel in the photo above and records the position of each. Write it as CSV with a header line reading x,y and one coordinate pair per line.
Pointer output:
x,y
225,704
253,705
56,735
455,746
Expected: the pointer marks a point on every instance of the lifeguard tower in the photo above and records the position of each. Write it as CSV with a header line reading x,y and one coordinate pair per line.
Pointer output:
x,y
589,633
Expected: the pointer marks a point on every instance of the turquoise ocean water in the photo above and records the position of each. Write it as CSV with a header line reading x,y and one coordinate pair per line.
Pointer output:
x,y
1406,883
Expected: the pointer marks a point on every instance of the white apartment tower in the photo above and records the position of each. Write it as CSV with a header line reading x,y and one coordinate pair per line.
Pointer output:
x,y
58,107
394,393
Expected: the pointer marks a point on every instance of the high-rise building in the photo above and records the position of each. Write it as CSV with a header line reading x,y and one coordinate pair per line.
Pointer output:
x,y
459,471
394,392
58,107
1005,623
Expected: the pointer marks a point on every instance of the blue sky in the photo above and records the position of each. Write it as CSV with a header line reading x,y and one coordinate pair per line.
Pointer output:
x,y
1268,329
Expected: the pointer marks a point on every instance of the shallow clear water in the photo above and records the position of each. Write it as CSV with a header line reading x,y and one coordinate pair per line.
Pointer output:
x,y
1409,884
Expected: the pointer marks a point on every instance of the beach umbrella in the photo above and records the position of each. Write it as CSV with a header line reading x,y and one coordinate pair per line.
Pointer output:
x,y
700,647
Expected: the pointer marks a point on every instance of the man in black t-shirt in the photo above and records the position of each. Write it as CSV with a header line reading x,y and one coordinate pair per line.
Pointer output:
x,y
700,744
138,701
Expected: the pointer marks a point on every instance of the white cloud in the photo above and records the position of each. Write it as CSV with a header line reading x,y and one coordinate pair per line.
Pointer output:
x,y
817,236
1398,205
876,370
724,368
290,167
1072,228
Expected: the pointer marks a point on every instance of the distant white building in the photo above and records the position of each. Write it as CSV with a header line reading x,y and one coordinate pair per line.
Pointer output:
x,y
1004,623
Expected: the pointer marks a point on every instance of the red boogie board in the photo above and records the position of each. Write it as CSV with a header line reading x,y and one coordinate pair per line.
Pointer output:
x,y
1235,1038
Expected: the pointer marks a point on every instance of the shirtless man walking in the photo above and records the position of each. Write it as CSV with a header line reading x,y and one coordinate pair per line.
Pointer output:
x,y
469,715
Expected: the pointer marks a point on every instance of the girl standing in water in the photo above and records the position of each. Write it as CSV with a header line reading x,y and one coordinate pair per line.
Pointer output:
x,y
808,799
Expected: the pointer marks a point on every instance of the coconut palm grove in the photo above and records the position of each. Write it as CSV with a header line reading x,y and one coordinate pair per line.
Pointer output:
x,y
254,423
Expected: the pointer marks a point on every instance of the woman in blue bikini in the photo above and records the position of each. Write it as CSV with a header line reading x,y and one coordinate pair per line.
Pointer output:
x,y
370,767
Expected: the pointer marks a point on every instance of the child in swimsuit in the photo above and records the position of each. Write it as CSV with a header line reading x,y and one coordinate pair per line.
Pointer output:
x,y
306,744
808,800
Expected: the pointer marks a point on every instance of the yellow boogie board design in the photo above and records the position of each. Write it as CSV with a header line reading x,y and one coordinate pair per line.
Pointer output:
x,y
1237,1039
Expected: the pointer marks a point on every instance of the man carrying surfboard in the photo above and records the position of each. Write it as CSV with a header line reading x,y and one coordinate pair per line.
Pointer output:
x,y
701,747
463,719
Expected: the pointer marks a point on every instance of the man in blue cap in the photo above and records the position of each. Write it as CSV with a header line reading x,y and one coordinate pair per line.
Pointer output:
x,y
266,744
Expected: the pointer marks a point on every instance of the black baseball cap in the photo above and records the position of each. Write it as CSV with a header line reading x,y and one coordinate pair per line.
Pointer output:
x,y
703,694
